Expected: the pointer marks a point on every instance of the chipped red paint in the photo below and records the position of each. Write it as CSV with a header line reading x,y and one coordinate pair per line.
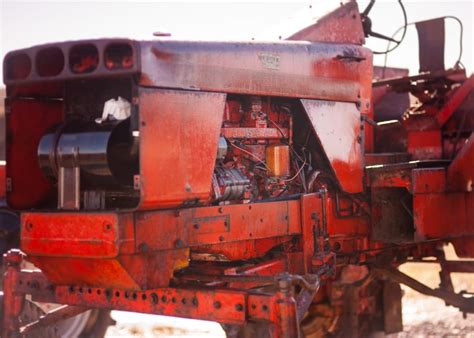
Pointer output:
x,y
344,150
183,249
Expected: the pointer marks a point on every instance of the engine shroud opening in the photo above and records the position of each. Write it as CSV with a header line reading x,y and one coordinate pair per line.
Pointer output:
x,y
103,152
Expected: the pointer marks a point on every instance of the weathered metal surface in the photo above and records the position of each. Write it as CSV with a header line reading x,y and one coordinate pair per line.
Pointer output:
x,y
455,101
337,126
165,301
75,235
432,220
179,132
61,313
431,44
95,249
372,159
27,184
110,249
429,180
214,225
461,170
424,145
341,25
391,215
228,306
400,178
257,133
296,69
392,300
64,55
465,304
401,82
321,214
12,300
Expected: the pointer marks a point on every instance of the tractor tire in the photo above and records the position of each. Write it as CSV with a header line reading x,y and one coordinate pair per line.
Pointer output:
x,y
90,324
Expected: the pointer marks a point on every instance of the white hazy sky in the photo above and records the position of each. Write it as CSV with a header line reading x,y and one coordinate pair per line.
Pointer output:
x,y
26,23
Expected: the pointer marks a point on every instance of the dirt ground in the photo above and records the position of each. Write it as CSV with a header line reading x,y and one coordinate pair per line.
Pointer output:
x,y
422,316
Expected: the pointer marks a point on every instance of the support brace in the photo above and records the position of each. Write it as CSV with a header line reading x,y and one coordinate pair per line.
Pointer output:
x,y
458,300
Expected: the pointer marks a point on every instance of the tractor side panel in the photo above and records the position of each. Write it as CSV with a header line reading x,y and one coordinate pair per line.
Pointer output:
x,y
179,132
338,128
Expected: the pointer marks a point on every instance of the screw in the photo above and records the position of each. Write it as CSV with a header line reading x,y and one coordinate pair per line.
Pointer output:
x,y
239,307
143,247
178,243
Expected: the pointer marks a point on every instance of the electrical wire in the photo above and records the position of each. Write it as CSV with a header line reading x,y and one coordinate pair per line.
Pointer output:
x,y
284,136
296,175
299,170
405,19
250,154
277,127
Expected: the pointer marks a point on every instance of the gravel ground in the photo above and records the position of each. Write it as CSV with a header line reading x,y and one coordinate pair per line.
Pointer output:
x,y
422,316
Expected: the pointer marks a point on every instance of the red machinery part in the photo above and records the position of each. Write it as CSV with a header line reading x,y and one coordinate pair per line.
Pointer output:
x,y
258,179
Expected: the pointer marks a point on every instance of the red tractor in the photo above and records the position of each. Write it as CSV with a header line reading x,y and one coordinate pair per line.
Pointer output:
x,y
271,187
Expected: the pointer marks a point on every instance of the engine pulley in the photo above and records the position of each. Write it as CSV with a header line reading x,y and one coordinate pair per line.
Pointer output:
x,y
229,184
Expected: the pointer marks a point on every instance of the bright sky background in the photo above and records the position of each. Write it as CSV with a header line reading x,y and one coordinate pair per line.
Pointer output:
x,y
26,23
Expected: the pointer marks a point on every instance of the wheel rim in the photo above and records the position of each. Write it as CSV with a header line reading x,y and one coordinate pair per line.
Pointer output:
x,y
73,327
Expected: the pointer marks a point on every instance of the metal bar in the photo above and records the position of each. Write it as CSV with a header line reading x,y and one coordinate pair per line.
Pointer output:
x,y
459,266
12,298
230,306
455,101
254,133
457,300
287,324
54,316
406,80
304,300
